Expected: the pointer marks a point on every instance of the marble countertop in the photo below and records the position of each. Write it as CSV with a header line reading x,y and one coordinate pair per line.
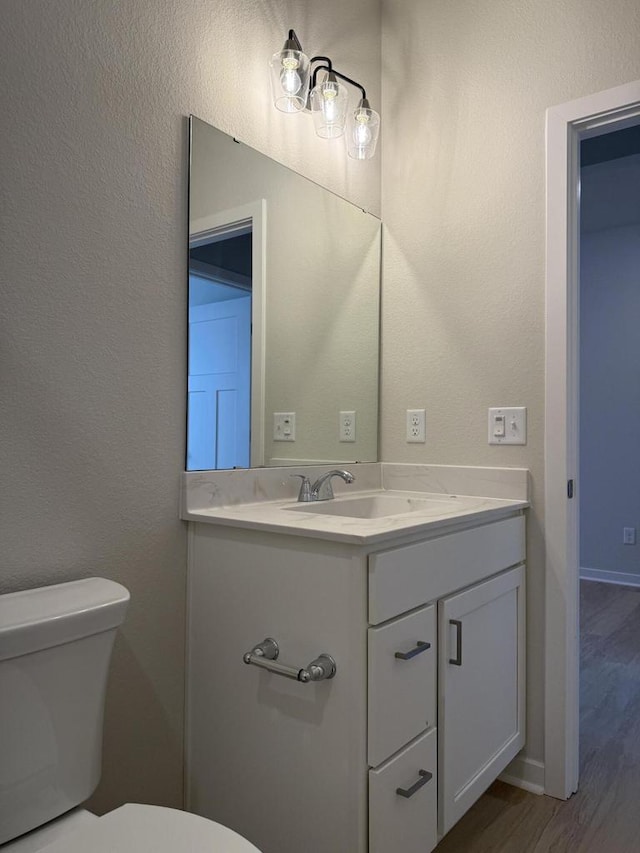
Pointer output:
x,y
438,511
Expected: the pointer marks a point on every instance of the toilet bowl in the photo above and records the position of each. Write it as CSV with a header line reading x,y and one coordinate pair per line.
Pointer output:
x,y
55,648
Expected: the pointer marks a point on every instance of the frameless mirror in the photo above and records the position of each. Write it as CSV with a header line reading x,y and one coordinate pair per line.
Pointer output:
x,y
284,291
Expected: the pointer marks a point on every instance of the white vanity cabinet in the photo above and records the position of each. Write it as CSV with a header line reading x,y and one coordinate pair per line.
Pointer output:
x,y
426,707
480,668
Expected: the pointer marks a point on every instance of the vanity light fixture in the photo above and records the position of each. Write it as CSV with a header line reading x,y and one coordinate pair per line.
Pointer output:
x,y
328,100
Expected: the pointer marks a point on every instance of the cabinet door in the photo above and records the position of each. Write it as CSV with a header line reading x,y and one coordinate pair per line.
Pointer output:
x,y
402,682
402,800
481,699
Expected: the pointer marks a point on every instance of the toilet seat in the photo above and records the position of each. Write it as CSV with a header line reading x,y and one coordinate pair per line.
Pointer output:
x,y
136,828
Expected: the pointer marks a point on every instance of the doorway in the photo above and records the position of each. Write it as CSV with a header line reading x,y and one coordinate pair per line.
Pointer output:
x,y
226,351
609,466
609,470
219,357
568,125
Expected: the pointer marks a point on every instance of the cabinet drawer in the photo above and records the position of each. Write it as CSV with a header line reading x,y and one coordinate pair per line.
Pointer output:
x,y
406,823
404,578
402,691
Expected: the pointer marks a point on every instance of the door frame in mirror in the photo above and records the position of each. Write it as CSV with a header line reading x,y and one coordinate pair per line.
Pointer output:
x,y
227,221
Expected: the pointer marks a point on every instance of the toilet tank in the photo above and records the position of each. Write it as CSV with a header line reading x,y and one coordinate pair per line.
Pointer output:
x,y
55,647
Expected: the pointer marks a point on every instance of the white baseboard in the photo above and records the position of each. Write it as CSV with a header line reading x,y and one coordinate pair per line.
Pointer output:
x,y
525,773
604,576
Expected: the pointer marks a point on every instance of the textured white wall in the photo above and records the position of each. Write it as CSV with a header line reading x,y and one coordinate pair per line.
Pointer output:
x,y
93,169
465,88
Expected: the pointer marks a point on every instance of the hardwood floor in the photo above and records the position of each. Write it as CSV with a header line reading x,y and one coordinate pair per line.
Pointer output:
x,y
604,816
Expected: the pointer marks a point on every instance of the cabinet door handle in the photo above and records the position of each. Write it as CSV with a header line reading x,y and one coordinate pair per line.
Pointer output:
x,y
425,776
457,660
420,647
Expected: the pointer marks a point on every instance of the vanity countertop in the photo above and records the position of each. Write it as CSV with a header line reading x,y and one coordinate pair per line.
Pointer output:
x,y
437,512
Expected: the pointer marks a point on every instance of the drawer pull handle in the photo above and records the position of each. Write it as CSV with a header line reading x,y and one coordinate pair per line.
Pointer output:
x,y
457,660
425,776
265,655
420,647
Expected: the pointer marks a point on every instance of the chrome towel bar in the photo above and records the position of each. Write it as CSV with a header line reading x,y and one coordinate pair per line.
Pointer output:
x,y
265,654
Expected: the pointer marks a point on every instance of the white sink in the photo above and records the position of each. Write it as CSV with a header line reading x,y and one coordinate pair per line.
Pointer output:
x,y
370,506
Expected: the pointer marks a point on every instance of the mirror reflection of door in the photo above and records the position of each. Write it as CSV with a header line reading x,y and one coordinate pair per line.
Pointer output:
x,y
219,390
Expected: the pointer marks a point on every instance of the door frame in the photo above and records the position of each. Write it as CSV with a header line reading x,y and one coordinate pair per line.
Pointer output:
x,y
566,125
227,223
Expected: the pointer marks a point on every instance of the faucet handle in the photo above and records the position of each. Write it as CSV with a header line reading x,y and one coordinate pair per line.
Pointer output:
x,y
304,495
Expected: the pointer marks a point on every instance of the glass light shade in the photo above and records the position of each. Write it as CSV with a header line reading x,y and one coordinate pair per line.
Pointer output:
x,y
289,80
329,102
362,136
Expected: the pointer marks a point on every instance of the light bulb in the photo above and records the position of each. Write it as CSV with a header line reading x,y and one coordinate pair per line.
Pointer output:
x,y
329,102
362,132
290,81
289,78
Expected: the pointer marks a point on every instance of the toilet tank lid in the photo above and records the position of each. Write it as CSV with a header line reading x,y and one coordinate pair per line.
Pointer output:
x,y
35,619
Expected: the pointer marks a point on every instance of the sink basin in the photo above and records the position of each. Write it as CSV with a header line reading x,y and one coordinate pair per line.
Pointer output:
x,y
370,506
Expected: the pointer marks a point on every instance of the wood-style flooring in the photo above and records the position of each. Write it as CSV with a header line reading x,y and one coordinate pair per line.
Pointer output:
x,y
604,816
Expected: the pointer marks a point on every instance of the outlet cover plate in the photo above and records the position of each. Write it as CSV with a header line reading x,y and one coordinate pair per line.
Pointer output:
x,y
347,426
416,426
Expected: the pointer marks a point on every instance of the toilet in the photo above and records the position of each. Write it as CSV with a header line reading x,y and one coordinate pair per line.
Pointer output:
x,y
55,648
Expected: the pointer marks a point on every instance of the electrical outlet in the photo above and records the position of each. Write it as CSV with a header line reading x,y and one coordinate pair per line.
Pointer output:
x,y
347,426
284,426
416,426
628,536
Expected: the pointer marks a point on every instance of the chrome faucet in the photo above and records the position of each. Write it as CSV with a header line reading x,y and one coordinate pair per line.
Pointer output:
x,y
322,489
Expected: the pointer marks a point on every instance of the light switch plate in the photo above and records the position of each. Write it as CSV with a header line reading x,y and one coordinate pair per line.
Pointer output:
x,y
284,426
508,425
